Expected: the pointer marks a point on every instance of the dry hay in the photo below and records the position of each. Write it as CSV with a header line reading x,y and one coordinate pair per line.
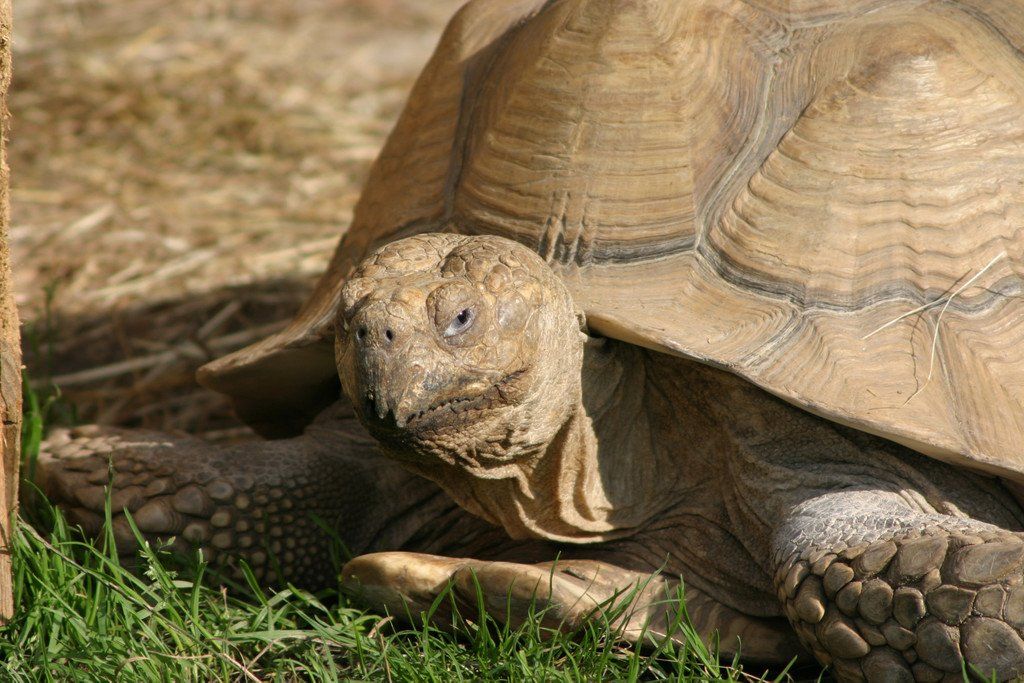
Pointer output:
x,y
181,172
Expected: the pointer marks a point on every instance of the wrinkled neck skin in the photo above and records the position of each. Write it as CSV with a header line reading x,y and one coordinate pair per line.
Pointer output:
x,y
603,476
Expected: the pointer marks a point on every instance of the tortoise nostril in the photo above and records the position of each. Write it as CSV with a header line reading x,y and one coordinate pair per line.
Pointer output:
x,y
389,334
361,332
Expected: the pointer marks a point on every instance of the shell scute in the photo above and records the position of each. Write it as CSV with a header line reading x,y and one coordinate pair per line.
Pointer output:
x,y
824,197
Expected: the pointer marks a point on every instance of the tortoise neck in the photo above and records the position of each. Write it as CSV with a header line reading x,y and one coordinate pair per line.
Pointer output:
x,y
613,465
603,475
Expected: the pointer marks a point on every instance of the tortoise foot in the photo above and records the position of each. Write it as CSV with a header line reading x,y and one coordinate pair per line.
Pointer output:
x,y
564,595
274,504
174,487
918,607
561,595
80,468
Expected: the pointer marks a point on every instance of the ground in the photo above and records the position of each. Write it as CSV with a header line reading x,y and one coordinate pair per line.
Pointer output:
x,y
181,172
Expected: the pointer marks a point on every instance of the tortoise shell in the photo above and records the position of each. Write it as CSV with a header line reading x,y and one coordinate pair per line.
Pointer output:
x,y
824,197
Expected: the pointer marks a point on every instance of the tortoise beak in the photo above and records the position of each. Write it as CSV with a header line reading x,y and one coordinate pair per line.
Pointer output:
x,y
393,385
394,401
389,367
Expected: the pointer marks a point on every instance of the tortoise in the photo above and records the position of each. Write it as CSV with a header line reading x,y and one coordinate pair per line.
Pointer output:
x,y
644,292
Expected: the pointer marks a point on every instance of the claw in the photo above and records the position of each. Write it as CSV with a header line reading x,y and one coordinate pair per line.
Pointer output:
x,y
403,584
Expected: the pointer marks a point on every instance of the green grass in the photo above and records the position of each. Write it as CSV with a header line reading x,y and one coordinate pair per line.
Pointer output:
x,y
83,616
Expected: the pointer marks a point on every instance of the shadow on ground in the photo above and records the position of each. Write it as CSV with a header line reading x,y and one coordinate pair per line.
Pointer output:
x,y
135,366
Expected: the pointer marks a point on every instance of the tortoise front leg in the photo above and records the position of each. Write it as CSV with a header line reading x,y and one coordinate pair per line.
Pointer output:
x,y
587,584
883,591
265,501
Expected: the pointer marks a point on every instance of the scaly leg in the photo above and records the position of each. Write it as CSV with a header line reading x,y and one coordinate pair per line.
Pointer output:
x,y
259,501
884,591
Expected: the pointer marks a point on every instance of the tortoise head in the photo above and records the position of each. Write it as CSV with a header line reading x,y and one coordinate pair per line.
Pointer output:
x,y
459,351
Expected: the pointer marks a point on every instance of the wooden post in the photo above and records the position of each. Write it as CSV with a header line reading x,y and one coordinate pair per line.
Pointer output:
x,y
10,343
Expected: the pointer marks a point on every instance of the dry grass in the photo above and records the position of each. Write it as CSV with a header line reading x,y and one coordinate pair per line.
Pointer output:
x,y
181,172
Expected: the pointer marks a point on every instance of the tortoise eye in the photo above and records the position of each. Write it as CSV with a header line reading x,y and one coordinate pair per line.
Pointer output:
x,y
460,323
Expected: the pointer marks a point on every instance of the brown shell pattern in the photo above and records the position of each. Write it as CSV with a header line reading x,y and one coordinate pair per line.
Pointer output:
x,y
826,198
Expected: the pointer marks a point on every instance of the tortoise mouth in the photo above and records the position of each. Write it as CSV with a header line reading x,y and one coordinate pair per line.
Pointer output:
x,y
502,393
448,413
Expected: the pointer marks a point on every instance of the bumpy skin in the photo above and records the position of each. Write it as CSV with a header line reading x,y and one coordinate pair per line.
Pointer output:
x,y
277,505
465,359
741,494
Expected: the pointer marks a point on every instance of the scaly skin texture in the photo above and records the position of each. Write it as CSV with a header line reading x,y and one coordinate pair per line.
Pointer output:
x,y
465,358
744,492
273,504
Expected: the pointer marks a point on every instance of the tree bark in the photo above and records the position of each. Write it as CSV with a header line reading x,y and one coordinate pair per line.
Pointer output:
x,y
10,343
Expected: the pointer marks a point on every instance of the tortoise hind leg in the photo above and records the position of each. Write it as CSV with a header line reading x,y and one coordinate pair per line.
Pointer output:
x,y
263,501
885,592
